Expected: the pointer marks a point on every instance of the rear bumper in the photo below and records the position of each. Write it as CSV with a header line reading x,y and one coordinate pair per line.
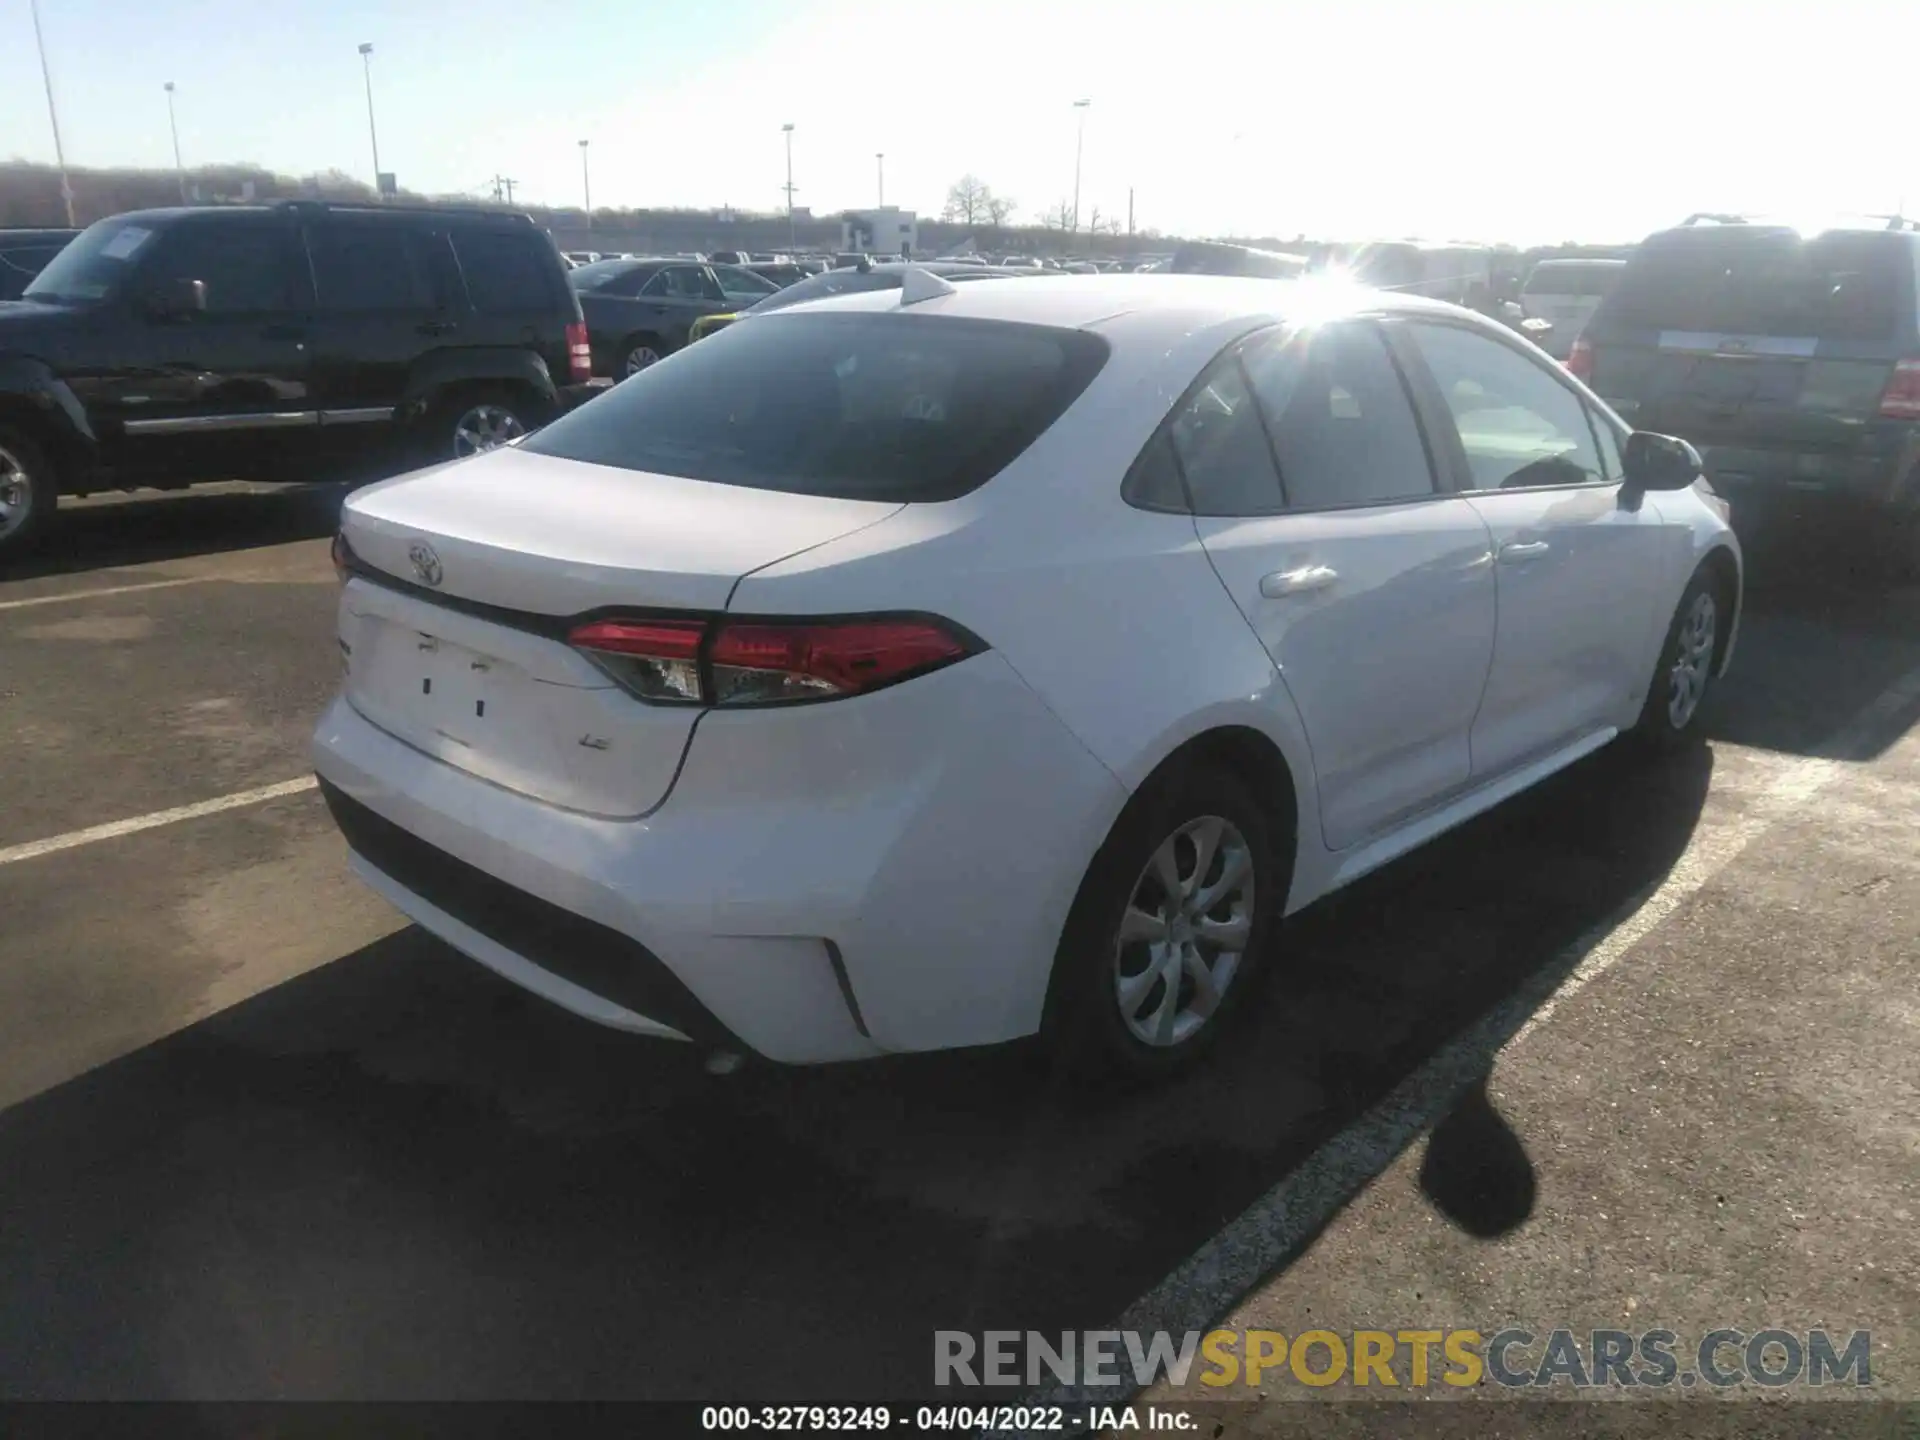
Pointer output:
x,y
816,887
1867,479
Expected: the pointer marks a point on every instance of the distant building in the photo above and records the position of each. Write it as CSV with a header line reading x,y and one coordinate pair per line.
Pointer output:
x,y
887,230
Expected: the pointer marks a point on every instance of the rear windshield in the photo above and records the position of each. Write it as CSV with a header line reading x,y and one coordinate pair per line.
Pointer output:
x,y
856,406
1830,287
1573,277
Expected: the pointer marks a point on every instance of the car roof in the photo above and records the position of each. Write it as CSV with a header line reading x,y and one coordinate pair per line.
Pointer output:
x,y
1158,308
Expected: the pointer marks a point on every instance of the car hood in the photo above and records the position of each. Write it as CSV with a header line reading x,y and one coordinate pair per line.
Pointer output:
x,y
23,320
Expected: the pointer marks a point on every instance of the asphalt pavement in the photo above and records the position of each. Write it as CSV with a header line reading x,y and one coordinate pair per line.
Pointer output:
x,y
1635,1050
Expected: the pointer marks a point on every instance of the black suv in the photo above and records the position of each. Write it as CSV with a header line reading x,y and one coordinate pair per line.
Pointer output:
x,y
163,347
1792,361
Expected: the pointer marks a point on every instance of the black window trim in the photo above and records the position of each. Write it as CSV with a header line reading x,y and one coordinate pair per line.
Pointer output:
x,y
1444,481
1408,348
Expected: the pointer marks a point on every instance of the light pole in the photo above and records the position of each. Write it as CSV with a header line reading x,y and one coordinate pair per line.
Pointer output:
x,y
53,116
1079,148
880,159
174,125
586,184
791,241
366,59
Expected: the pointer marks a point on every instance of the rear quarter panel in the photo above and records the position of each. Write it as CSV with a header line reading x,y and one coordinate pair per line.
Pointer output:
x,y
1113,615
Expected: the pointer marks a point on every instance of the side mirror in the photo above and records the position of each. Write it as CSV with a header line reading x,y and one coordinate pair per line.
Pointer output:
x,y
1660,462
1537,330
176,299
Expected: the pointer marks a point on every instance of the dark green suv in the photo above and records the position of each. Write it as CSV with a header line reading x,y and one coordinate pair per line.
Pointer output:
x,y
1791,360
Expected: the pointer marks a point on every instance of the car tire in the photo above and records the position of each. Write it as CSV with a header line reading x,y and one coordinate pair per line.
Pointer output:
x,y
475,420
1147,977
1677,692
28,492
646,350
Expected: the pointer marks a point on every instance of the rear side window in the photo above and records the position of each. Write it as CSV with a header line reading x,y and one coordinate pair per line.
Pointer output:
x,y
854,406
682,282
369,267
1830,287
1222,446
506,270
1343,427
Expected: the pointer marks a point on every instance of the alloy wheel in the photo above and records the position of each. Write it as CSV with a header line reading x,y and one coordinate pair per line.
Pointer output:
x,y
485,427
1692,659
16,493
640,357
1184,932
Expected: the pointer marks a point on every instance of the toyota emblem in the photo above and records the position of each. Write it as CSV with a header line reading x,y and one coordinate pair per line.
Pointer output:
x,y
426,563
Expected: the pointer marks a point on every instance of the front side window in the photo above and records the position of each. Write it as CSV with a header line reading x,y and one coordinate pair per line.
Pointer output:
x,y
1519,426
243,267
1343,428
369,267
1222,448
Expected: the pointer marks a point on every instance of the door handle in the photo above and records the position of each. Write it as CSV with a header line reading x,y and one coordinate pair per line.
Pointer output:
x,y
1524,550
436,327
1297,582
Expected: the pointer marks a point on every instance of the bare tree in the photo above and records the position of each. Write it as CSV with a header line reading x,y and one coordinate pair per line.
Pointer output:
x,y
968,200
1058,216
999,210
1102,224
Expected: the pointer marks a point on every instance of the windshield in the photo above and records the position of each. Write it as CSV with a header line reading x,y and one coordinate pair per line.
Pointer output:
x,y
92,267
1830,287
857,406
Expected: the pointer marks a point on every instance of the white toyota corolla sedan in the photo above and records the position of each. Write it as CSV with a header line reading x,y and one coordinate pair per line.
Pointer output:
x,y
940,666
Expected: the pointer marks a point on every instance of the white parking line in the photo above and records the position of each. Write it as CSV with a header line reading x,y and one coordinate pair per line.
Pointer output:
x,y
113,830
105,590
1254,1244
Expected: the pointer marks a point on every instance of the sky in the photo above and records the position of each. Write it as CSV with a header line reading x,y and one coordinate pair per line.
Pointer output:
x,y
1474,119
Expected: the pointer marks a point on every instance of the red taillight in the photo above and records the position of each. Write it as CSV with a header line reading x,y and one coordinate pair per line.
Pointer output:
x,y
1901,399
657,660
1580,360
579,353
765,662
756,664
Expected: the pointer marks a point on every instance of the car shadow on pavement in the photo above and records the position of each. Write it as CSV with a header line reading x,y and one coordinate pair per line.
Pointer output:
x,y
1823,636
144,527
396,1177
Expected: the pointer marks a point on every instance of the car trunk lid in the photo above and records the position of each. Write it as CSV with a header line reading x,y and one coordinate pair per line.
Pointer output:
x,y
470,575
